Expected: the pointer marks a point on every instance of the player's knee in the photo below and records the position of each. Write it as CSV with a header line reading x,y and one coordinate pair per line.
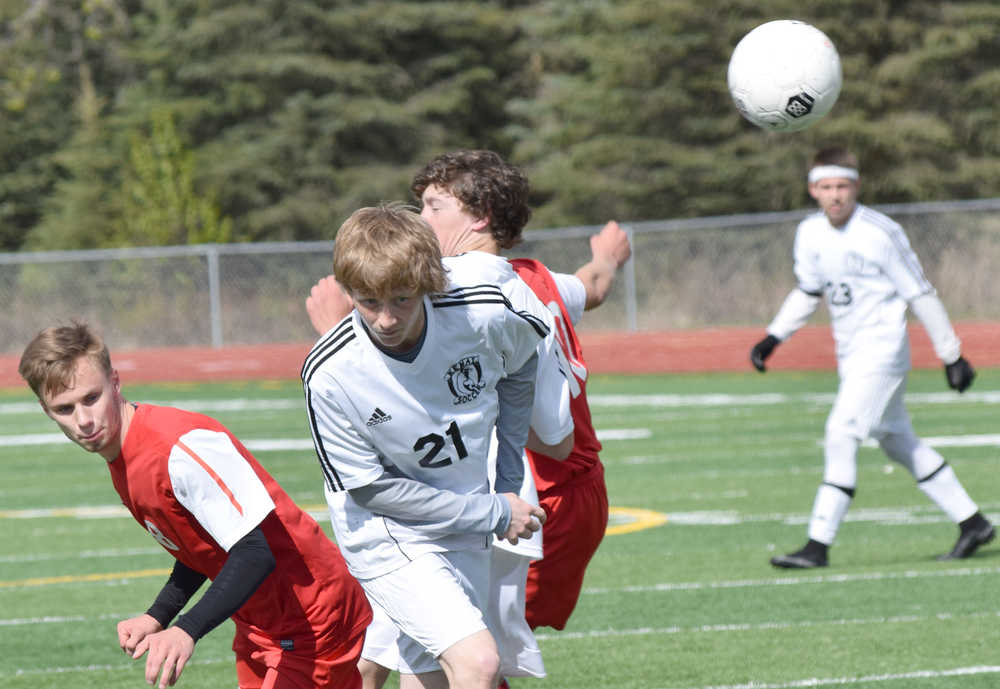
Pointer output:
x,y
484,666
473,662
900,448
926,462
373,675
840,452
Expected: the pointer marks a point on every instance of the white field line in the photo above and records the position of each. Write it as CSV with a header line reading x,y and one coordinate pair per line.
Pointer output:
x,y
207,405
762,626
793,684
701,629
909,575
648,400
64,619
287,444
132,667
866,680
820,398
83,554
595,400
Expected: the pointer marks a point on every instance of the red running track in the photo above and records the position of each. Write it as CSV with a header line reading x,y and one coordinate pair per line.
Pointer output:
x,y
670,351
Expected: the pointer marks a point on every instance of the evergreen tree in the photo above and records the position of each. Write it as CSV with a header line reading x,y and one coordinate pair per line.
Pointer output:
x,y
297,113
160,205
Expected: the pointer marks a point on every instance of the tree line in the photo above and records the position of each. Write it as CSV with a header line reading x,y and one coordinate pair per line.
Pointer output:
x,y
148,122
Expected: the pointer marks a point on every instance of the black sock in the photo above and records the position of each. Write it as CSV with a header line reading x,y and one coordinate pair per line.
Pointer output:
x,y
814,548
976,521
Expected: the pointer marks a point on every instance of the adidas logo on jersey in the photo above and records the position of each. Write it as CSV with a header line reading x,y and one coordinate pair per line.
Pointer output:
x,y
378,416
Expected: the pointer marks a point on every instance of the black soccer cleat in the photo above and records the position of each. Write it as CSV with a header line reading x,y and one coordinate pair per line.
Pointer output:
x,y
812,555
969,541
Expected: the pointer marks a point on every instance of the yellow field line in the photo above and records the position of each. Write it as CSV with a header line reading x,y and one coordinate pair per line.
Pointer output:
x,y
641,519
75,578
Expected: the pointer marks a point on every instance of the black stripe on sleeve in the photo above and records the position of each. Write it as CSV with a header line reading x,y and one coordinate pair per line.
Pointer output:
x,y
486,294
897,237
328,347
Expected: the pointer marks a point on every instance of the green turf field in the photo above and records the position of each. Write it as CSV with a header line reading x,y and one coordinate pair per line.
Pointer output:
x,y
731,461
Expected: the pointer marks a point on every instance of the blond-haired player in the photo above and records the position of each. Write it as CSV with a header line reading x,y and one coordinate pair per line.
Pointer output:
x,y
403,397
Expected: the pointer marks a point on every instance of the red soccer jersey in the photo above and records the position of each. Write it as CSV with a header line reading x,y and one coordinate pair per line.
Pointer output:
x,y
198,490
550,472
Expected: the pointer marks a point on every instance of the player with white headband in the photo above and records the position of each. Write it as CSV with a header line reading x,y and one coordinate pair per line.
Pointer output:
x,y
861,261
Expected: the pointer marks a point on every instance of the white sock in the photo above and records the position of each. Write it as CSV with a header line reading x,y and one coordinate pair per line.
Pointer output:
x,y
828,511
947,493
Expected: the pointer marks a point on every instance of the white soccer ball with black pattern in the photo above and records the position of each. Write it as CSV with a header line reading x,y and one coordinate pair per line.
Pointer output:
x,y
784,75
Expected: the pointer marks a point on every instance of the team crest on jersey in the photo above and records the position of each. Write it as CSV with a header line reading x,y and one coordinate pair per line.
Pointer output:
x,y
855,264
465,379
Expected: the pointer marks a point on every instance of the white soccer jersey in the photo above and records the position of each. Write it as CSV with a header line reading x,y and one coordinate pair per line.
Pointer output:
x,y
573,293
867,272
550,416
429,420
550,411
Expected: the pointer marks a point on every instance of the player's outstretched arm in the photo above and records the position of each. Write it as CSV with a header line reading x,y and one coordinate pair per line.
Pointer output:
x,y
327,304
610,248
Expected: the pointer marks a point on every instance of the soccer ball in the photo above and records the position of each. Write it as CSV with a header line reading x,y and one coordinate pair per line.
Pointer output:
x,y
784,75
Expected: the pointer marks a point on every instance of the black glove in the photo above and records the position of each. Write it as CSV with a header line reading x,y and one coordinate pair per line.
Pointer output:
x,y
959,374
762,350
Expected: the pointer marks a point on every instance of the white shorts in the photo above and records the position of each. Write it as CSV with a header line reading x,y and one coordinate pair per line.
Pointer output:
x,y
870,405
432,603
516,643
382,641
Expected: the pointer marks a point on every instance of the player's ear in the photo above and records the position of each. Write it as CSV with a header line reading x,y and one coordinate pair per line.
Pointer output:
x,y
480,224
812,191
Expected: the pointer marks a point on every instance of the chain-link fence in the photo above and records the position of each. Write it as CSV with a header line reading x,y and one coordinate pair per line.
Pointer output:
x,y
702,272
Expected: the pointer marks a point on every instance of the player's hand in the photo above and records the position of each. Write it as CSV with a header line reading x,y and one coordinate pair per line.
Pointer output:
x,y
134,630
611,245
169,651
525,518
327,304
762,350
959,374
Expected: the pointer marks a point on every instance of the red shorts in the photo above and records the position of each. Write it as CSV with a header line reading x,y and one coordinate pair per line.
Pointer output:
x,y
262,664
577,517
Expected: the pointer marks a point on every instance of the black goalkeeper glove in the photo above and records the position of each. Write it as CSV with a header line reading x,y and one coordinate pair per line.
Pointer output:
x,y
762,350
959,374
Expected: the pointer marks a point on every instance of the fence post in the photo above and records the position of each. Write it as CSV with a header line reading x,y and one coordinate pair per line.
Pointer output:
x,y
214,296
631,307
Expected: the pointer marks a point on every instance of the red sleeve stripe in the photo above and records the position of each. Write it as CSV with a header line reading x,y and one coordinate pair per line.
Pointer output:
x,y
215,477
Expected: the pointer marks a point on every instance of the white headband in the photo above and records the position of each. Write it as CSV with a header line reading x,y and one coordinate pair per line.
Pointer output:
x,y
826,171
